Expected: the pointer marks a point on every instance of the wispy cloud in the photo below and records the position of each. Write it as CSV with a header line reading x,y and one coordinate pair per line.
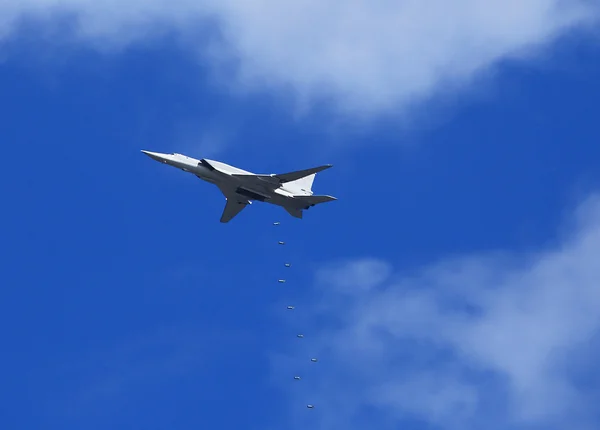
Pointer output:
x,y
202,142
496,342
365,56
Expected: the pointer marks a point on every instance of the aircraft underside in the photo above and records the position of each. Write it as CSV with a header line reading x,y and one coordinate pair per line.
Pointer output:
x,y
242,197
251,194
291,190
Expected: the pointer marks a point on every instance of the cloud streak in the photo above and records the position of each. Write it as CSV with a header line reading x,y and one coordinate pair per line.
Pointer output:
x,y
367,57
496,342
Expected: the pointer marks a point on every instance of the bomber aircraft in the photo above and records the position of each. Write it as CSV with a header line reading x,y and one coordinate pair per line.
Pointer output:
x,y
292,191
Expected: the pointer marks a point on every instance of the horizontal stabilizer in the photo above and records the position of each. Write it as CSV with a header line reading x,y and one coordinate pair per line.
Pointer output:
x,y
293,176
314,200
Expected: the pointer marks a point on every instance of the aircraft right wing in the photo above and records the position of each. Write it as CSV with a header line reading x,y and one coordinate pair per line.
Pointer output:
x,y
275,180
232,208
294,176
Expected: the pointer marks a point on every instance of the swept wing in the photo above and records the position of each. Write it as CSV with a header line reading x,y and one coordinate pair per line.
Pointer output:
x,y
232,208
235,204
282,178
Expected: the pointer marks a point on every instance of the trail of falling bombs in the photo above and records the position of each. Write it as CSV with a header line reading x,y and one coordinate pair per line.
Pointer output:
x,y
291,308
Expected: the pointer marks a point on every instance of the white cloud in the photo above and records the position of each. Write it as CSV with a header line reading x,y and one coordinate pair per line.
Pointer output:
x,y
491,342
368,56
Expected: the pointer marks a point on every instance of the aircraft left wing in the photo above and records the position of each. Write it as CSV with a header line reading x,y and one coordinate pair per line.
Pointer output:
x,y
235,204
232,208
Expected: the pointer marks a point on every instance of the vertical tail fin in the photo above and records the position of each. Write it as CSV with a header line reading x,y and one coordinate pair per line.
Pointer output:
x,y
303,184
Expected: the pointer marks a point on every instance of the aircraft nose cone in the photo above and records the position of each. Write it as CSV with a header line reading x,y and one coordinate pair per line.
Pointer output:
x,y
155,155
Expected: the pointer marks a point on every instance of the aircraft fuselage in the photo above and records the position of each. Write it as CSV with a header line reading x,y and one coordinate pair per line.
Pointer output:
x,y
220,174
292,190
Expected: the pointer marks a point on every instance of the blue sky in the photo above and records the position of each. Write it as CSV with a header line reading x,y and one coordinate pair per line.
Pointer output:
x,y
453,285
